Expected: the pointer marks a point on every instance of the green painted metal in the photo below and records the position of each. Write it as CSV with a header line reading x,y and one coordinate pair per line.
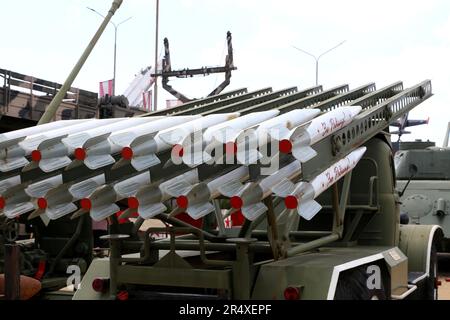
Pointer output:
x,y
254,103
227,96
312,271
264,93
99,268
345,97
312,245
297,101
376,97
382,229
415,242
177,277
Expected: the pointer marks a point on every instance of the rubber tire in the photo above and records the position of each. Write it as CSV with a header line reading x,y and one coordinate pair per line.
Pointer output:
x,y
430,290
352,285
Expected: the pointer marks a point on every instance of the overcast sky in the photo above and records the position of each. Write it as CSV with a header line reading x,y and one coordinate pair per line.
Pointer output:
x,y
386,41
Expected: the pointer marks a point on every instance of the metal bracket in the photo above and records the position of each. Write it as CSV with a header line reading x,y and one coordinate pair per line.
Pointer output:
x,y
272,228
339,221
185,73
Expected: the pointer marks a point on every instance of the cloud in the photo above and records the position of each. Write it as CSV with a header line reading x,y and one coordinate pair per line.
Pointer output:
x,y
386,41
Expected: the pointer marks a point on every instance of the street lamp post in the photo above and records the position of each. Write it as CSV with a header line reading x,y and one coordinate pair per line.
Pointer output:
x,y
317,58
115,45
155,89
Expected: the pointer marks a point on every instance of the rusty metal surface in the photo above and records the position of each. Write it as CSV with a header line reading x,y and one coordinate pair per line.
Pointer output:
x,y
12,271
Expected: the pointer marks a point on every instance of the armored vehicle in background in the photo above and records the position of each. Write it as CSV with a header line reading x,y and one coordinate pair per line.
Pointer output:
x,y
423,179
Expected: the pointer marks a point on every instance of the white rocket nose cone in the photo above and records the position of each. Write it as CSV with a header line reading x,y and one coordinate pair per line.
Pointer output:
x,y
354,110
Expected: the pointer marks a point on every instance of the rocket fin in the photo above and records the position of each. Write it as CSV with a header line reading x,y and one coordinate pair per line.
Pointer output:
x,y
141,163
98,161
52,164
103,212
284,188
308,209
95,140
151,210
16,210
61,210
178,188
303,153
200,210
231,188
13,163
254,211
36,213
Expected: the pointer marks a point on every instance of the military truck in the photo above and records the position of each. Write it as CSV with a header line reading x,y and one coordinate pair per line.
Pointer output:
x,y
354,248
423,174
356,238
349,244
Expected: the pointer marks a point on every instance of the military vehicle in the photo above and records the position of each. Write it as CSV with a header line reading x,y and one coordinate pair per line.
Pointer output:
x,y
349,244
279,252
423,173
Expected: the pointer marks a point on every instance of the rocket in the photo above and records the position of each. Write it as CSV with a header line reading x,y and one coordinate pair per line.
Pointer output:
x,y
317,129
248,198
24,198
278,129
53,154
220,134
196,201
141,151
301,196
13,157
280,126
5,185
149,199
13,137
102,202
8,183
96,152
16,202
37,192
59,200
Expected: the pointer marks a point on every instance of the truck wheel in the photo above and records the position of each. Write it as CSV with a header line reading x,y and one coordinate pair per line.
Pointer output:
x,y
352,285
431,288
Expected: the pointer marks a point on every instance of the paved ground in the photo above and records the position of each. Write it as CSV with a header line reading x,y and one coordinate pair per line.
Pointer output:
x,y
444,289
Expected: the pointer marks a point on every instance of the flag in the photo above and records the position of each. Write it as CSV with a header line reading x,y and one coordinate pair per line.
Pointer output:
x,y
170,103
106,88
147,100
228,222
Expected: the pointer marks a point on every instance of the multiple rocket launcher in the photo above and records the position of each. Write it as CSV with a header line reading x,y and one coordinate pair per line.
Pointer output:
x,y
205,150
194,140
